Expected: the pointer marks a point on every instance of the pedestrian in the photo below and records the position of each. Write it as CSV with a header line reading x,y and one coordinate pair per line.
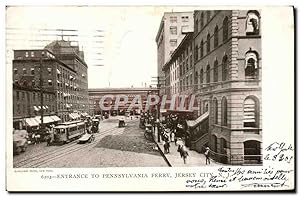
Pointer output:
x,y
207,154
184,153
48,139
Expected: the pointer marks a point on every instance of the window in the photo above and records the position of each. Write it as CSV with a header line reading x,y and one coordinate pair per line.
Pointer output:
x,y
24,71
32,53
252,23
33,96
202,20
173,19
206,107
216,71
49,70
173,42
251,65
201,76
216,37
196,52
208,74
185,18
26,54
18,95
15,71
224,111
196,80
23,95
32,71
196,26
208,16
251,112
201,49
224,68
50,82
215,110
225,29
208,43
33,83
173,30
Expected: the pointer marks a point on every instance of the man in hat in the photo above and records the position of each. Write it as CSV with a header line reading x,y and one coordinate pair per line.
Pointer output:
x,y
207,153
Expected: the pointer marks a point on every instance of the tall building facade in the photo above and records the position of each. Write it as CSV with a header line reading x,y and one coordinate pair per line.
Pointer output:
x,y
172,29
228,66
226,79
63,72
77,83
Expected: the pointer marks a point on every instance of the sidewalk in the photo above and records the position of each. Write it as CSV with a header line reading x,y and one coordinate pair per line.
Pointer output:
x,y
194,159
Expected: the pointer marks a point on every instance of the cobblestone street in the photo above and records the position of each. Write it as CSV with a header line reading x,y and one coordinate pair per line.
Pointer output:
x,y
113,147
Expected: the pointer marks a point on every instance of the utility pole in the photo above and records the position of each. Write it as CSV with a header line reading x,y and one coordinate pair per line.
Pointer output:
x,y
158,84
41,92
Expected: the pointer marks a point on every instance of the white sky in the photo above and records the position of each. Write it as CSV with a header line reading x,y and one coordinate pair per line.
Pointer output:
x,y
129,48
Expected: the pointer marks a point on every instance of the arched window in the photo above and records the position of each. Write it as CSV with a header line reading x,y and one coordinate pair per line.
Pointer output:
x,y
225,29
251,65
208,16
201,49
252,23
208,74
214,143
196,52
224,111
251,111
201,76
216,71
202,20
208,43
216,37
196,80
196,25
225,68
206,107
215,110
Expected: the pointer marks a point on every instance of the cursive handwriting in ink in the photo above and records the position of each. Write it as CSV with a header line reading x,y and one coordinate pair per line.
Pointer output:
x,y
279,152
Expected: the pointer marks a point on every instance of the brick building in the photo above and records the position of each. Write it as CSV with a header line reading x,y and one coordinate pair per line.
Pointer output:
x,y
64,74
226,80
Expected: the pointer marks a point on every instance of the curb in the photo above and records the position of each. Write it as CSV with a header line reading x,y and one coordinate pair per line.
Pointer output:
x,y
162,153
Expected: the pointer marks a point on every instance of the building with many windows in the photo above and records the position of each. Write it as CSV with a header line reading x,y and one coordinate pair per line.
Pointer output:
x,y
172,29
63,73
226,80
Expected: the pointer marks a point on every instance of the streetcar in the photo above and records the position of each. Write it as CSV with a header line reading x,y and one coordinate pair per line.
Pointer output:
x,y
68,131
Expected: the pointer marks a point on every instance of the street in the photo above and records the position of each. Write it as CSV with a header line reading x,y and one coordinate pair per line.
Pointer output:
x,y
113,147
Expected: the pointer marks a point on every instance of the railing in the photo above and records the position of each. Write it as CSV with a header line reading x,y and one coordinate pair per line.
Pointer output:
x,y
252,159
199,143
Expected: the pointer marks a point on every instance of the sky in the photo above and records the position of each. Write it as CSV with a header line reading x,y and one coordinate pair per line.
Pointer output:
x,y
127,48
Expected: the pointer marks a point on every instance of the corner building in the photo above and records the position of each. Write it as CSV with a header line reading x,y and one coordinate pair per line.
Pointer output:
x,y
228,70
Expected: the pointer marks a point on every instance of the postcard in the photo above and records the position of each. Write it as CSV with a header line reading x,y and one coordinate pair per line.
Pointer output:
x,y
150,98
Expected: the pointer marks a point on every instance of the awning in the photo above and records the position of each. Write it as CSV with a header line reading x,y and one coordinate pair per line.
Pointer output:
x,y
193,123
31,122
55,118
35,108
46,119
71,116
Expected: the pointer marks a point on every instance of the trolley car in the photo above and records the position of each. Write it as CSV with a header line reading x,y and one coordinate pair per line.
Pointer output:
x,y
67,132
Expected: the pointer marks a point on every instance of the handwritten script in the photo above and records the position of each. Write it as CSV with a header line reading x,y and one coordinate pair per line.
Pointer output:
x,y
254,177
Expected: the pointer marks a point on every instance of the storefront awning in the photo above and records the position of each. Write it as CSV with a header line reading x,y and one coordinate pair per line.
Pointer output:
x,y
46,119
193,123
31,122
55,118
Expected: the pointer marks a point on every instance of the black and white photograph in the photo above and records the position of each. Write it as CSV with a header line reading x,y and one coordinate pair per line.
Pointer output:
x,y
171,93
